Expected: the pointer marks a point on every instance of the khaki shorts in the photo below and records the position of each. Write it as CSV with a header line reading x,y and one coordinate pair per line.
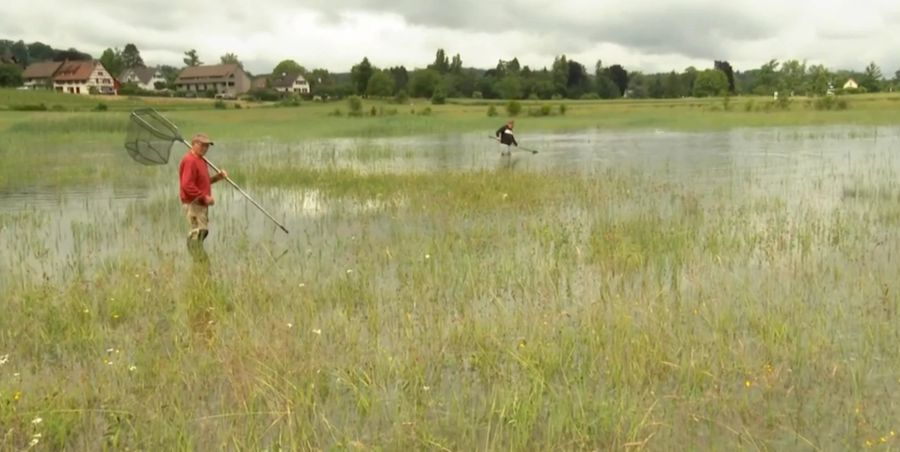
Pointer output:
x,y
197,217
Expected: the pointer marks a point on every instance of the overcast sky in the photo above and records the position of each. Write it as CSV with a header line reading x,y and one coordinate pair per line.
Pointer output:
x,y
646,35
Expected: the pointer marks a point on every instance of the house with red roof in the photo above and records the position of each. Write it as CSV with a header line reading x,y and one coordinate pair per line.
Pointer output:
x,y
84,77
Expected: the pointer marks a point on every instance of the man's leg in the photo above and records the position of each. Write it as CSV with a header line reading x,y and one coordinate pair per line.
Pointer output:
x,y
198,222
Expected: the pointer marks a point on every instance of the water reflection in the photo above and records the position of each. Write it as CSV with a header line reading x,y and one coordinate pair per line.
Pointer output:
x,y
42,230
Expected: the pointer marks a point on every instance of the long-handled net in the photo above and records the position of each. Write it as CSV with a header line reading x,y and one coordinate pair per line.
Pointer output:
x,y
149,141
150,137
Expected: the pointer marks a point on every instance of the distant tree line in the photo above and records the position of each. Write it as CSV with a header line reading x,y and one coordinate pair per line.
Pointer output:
x,y
447,77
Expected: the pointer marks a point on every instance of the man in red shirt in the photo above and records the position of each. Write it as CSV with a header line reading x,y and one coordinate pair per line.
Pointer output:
x,y
196,190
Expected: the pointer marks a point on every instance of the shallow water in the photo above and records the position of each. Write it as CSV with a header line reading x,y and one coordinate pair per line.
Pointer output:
x,y
44,231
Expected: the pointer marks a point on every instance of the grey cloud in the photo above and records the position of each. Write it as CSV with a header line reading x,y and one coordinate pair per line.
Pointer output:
x,y
693,30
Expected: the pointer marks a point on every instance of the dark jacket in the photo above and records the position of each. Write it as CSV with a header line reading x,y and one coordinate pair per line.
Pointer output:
x,y
505,134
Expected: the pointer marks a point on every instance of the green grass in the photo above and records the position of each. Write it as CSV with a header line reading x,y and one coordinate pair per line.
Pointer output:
x,y
488,309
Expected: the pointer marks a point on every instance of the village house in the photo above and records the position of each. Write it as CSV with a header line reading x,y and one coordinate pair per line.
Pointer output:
x,y
40,75
223,79
290,84
260,81
84,77
851,84
145,78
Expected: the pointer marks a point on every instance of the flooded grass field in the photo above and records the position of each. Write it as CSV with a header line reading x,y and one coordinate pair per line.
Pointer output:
x,y
652,289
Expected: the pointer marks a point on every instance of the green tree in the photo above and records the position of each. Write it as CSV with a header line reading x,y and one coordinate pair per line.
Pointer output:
x,y
560,75
111,59
381,84
289,67
170,73
577,80
72,54
793,77
10,75
441,62
191,58
424,82
655,88
131,57
872,78
819,80
726,69
360,75
456,65
509,87
672,87
38,51
400,76
768,79
637,85
230,58
711,82
619,76
606,89
688,77
20,51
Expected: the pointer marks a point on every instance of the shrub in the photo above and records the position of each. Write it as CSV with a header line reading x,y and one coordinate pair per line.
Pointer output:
x,y
290,102
220,105
783,102
373,111
263,94
29,107
590,96
401,97
426,111
336,112
238,106
562,109
101,107
492,111
513,108
830,103
477,95
748,107
354,104
439,97
543,110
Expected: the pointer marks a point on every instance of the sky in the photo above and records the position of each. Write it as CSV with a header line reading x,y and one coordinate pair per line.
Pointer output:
x,y
645,35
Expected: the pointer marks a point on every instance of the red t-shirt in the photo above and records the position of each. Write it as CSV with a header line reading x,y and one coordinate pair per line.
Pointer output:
x,y
195,181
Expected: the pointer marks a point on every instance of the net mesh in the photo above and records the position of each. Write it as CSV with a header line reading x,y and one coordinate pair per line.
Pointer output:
x,y
150,137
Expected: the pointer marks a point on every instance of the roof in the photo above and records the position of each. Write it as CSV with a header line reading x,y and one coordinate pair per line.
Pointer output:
x,y
287,80
75,70
260,82
44,69
144,74
201,74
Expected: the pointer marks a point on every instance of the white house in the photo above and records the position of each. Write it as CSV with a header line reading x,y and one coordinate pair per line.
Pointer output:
x,y
83,77
291,84
145,78
227,79
851,84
